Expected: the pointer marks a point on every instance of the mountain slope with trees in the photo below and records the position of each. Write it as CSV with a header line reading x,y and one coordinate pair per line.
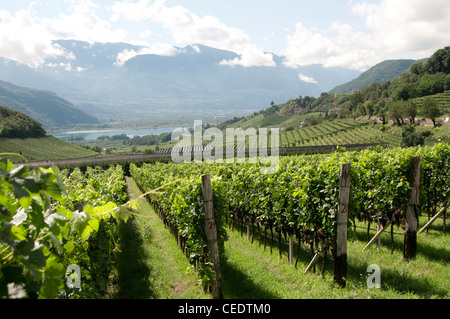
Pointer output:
x,y
15,124
382,72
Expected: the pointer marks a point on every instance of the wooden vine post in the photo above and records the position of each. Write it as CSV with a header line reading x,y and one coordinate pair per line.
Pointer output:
x,y
412,220
211,235
340,261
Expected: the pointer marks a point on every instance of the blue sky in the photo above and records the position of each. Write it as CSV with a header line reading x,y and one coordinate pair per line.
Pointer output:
x,y
349,33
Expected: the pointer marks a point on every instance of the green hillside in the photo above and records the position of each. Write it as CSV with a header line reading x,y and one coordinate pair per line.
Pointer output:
x,y
20,134
442,100
382,72
46,148
338,132
15,124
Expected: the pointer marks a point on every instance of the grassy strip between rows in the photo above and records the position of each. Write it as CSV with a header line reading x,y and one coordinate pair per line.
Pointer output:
x,y
250,271
152,266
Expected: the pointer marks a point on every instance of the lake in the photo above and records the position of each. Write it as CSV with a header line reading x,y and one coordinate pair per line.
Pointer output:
x,y
94,134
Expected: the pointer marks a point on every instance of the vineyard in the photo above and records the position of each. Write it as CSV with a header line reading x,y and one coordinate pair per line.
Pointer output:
x,y
300,200
59,229
345,132
442,100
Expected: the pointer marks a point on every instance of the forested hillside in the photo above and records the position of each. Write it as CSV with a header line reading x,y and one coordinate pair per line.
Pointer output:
x,y
382,72
15,124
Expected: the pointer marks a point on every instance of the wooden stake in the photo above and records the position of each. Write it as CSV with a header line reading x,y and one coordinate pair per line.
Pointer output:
x,y
378,229
211,235
433,219
291,248
412,219
377,235
312,263
340,262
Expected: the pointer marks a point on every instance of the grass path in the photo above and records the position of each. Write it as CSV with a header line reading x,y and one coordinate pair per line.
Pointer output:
x,y
250,271
151,265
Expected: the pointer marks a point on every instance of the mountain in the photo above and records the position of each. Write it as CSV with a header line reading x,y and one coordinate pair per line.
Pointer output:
x,y
43,106
124,80
384,71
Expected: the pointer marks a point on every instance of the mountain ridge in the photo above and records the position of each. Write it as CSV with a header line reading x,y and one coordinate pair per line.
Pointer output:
x,y
384,71
43,106
119,79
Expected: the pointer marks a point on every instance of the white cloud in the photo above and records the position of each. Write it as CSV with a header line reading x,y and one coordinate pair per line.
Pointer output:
x,y
339,45
24,39
27,38
82,23
251,56
306,47
396,29
185,26
196,48
413,26
158,49
145,34
305,78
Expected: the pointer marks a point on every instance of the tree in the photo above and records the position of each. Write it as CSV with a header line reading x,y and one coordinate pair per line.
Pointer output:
x,y
410,111
430,109
381,110
447,82
369,107
410,137
431,84
417,68
396,111
439,62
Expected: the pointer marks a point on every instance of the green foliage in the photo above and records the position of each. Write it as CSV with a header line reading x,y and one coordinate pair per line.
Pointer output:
x,y
430,109
430,84
43,148
149,139
16,124
439,62
41,234
412,138
301,198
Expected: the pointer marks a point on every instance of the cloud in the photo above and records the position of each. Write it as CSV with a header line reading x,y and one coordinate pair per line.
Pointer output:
x,y
395,29
82,23
24,39
158,49
185,26
307,47
251,56
305,78
337,46
413,26
27,38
